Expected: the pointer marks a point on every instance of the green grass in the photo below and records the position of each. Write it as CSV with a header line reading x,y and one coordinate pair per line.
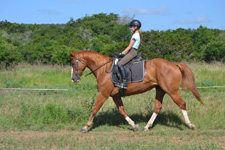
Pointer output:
x,y
118,140
52,119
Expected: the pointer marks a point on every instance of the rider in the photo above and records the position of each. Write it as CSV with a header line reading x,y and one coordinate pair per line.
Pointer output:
x,y
131,50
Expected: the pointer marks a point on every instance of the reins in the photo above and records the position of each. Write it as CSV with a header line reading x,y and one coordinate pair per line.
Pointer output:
x,y
77,59
99,68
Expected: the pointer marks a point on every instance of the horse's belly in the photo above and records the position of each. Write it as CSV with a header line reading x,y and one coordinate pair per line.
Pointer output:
x,y
134,88
138,88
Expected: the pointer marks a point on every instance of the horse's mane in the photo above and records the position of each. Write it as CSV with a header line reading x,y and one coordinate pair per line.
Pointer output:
x,y
94,55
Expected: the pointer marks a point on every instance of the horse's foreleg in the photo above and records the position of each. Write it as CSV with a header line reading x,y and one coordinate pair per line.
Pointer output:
x,y
98,104
158,106
120,107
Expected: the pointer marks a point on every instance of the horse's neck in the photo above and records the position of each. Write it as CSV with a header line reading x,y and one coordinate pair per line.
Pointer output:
x,y
95,60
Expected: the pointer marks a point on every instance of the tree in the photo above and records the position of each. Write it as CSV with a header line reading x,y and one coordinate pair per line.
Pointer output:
x,y
106,34
214,51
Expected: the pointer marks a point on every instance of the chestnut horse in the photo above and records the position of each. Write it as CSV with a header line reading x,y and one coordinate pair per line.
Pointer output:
x,y
160,74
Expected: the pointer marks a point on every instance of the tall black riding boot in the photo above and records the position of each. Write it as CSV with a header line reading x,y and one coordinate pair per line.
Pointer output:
x,y
123,75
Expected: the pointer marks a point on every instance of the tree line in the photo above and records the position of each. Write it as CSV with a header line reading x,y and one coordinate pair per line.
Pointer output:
x,y
105,34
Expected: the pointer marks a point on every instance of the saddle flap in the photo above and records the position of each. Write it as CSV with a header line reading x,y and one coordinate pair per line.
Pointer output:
x,y
134,73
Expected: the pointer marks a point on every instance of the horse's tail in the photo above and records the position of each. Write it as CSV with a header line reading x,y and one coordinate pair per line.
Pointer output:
x,y
188,80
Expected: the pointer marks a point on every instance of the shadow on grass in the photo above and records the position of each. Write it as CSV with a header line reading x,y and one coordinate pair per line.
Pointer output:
x,y
114,118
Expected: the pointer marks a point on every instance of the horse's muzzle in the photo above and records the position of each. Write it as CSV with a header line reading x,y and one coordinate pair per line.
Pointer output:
x,y
76,78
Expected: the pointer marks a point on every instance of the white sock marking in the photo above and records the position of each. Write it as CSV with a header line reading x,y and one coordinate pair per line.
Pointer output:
x,y
186,117
131,122
151,120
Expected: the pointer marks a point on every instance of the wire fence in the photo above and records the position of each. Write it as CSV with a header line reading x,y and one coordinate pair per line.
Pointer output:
x,y
30,89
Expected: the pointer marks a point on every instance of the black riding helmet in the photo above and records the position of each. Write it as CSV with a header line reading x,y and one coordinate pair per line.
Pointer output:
x,y
135,23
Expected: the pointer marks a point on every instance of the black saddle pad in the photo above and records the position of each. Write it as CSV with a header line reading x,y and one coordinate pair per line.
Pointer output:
x,y
134,73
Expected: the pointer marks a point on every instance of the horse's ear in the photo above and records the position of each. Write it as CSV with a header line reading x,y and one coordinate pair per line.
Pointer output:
x,y
71,54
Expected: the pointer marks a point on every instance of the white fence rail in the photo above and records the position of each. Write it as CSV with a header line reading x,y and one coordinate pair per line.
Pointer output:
x,y
30,89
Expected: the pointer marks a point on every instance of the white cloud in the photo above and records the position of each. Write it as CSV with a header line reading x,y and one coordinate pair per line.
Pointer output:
x,y
49,11
199,20
141,11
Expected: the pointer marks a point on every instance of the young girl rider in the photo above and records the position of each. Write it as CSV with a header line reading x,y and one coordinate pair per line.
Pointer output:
x,y
131,50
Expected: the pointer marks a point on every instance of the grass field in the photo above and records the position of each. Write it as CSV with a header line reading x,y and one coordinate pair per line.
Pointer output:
x,y
52,119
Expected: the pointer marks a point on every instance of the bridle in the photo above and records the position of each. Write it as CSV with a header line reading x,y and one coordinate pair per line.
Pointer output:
x,y
77,74
76,64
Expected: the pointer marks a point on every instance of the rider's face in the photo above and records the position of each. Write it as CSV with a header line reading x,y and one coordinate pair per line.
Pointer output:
x,y
132,28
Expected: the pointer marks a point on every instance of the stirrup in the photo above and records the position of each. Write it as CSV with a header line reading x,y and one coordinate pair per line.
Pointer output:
x,y
124,84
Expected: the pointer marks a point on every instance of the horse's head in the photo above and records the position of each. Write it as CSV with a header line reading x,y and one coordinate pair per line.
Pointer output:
x,y
77,67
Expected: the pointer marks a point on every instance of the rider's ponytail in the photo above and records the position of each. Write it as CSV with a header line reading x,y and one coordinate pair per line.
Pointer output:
x,y
141,35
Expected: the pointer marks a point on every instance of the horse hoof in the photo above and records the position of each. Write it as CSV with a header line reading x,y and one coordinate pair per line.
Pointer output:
x,y
136,128
83,130
145,129
191,126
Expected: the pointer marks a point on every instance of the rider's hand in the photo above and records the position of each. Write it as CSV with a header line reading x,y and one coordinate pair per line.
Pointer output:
x,y
121,55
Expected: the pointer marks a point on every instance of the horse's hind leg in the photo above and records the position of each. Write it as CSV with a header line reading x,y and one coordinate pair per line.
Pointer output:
x,y
120,107
158,106
177,99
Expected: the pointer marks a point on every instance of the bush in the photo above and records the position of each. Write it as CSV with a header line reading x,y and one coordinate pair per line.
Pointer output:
x,y
61,55
105,34
214,51
10,57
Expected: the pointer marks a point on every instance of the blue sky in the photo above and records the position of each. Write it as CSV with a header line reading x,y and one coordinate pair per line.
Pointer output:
x,y
154,14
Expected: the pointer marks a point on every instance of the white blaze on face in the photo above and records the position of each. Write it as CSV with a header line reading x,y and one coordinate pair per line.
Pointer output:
x,y
71,72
